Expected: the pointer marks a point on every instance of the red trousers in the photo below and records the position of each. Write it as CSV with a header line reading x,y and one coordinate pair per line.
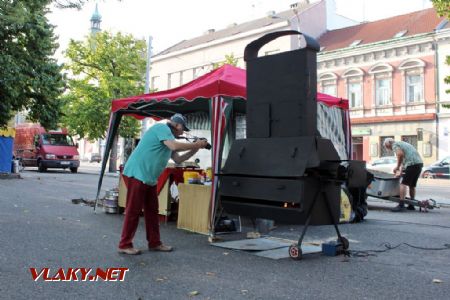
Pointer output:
x,y
140,195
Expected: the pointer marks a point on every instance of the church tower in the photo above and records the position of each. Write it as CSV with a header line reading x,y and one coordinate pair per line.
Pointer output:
x,y
96,19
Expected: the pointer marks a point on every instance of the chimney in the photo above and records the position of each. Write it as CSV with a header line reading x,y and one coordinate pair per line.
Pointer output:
x,y
299,4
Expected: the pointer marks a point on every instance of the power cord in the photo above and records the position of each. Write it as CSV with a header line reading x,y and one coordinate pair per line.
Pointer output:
x,y
388,246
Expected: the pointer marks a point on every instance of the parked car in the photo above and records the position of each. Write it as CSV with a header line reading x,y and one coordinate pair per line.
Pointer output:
x,y
384,164
438,169
95,157
36,147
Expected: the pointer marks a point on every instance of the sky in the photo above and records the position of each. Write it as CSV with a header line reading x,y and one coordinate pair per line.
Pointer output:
x,y
171,21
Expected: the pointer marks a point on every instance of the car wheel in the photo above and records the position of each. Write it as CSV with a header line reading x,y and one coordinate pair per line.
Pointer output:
x,y
428,174
73,170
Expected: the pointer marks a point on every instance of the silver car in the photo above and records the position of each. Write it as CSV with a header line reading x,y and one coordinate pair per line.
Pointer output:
x,y
384,164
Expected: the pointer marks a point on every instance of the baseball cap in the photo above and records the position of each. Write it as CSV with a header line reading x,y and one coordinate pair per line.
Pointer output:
x,y
180,119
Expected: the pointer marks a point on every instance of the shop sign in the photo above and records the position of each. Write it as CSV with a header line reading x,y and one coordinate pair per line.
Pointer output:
x,y
361,131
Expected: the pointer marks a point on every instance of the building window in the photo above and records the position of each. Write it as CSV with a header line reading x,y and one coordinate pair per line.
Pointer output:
x,y
169,80
154,83
382,91
328,84
382,78
354,78
329,88
410,139
354,94
414,88
196,73
413,70
181,77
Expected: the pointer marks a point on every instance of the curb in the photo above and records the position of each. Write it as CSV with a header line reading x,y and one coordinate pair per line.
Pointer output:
x,y
106,174
10,176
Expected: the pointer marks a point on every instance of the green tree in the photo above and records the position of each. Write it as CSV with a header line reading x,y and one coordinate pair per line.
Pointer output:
x,y
104,67
229,59
443,9
30,79
78,4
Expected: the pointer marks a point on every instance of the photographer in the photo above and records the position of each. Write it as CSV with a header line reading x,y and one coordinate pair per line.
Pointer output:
x,y
141,174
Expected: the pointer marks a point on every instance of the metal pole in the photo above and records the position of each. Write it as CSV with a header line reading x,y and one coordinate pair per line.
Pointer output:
x,y
144,124
147,68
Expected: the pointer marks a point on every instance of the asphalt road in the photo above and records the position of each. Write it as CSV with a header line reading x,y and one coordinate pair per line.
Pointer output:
x,y
40,227
439,191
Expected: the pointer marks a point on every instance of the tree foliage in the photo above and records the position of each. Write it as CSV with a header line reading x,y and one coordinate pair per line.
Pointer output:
x,y
104,67
30,78
447,79
229,59
78,4
442,7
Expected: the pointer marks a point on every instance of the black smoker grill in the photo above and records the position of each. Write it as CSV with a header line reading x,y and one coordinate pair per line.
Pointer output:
x,y
284,170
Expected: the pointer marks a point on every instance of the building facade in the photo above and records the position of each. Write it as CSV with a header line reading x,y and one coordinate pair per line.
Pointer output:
x,y
442,40
391,70
192,58
388,70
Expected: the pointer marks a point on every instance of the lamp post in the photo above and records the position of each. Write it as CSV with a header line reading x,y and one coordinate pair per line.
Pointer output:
x,y
144,123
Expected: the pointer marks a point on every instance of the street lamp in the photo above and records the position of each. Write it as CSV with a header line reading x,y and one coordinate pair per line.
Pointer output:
x,y
144,123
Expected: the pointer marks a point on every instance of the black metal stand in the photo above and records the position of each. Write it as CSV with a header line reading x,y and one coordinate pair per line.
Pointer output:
x,y
295,251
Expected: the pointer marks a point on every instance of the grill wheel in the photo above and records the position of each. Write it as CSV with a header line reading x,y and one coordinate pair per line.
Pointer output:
x,y
295,252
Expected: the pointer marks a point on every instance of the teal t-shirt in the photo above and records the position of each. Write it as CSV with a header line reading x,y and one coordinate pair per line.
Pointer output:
x,y
411,157
150,157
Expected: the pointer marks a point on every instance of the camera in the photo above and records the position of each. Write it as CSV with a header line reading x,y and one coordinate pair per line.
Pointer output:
x,y
208,145
193,139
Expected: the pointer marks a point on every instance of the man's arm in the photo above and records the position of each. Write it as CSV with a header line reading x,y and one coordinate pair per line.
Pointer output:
x,y
400,156
178,146
177,158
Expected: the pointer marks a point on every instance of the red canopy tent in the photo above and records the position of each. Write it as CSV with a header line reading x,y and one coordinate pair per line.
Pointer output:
x,y
219,93
226,81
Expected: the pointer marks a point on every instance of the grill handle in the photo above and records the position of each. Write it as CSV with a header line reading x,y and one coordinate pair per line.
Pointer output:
x,y
252,49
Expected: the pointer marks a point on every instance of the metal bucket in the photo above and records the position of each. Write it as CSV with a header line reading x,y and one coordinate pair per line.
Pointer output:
x,y
15,168
110,210
112,193
110,202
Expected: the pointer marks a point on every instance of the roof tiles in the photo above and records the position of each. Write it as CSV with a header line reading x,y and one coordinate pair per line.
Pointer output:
x,y
414,23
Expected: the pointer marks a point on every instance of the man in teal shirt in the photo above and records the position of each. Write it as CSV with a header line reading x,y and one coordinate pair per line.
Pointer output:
x,y
409,158
141,174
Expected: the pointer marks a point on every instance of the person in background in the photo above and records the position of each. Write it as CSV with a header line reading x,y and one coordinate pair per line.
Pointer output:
x,y
141,173
409,158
